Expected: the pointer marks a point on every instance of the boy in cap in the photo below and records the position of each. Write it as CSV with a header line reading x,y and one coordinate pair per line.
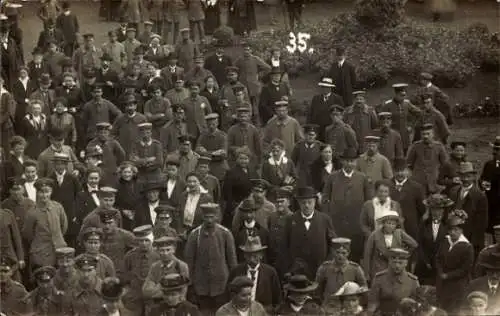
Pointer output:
x,y
12,245
66,275
391,144
45,298
126,126
425,158
86,298
138,262
45,236
333,273
207,180
168,263
113,153
210,276
373,164
90,115
362,118
91,239
430,115
402,111
161,227
13,292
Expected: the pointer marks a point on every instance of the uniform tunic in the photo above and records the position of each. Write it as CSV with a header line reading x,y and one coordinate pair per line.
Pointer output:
x,y
11,244
434,117
186,50
177,96
342,138
158,112
113,153
244,134
44,229
137,266
95,112
126,131
276,223
391,144
250,67
115,245
151,287
83,58
213,142
130,46
376,167
196,109
169,135
331,277
86,301
388,289
303,156
402,113
139,154
363,121
425,160
49,304
65,283
288,130
117,53
11,298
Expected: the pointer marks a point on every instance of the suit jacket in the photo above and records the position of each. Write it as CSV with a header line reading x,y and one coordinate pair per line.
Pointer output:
x,y
481,284
178,223
34,73
13,167
109,93
311,246
319,111
142,213
84,204
170,76
36,135
476,206
410,199
345,80
268,291
44,38
237,186
183,309
175,198
427,250
66,194
21,94
218,67
491,173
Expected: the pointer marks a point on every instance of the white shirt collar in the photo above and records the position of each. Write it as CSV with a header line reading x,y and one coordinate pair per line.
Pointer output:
x,y
349,175
400,183
467,188
462,238
281,161
428,85
148,143
341,63
307,217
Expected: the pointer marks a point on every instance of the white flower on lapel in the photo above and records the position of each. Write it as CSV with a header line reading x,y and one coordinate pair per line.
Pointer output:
x,y
203,105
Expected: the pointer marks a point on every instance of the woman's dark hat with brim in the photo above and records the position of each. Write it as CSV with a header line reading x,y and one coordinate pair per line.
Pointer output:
x,y
438,200
305,193
457,218
492,262
300,284
111,289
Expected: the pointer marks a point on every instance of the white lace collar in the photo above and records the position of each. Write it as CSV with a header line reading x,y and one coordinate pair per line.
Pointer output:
x,y
460,239
283,160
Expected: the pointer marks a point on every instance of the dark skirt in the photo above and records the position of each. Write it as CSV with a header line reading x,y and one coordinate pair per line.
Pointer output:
x,y
212,19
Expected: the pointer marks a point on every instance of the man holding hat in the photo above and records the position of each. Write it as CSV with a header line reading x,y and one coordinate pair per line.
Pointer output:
x,y
390,286
13,292
85,298
425,158
344,194
361,117
373,164
266,287
168,263
45,299
126,126
173,299
391,144
340,135
45,226
138,262
210,254
319,112
12,244
401,110
308,233
91,239
333,273
470,198
490,183
91,115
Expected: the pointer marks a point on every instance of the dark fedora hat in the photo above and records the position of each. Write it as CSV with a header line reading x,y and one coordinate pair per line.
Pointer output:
x,y
252,244
492,262
300,284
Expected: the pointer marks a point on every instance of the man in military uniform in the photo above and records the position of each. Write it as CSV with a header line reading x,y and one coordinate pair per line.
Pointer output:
x,y
276,224
391,144
173,300
168,263
439,98
207,180
11,243
11,292
162,227
138,261
332,274
91,238
390,286
401,108
45,299
425,158
85,298
340,135
107,198
484,255
66,276
361,117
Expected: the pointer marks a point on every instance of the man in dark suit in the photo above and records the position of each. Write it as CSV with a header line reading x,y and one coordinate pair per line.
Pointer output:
x,y
217,63
266,289
319,111
490,183
37,66
490,283
439,98
87,199
410,195
50,34
21,89
174,185
344,76
469,197
171,72
11,57
308,233
294,8
109,78
271,93
145,213
65,191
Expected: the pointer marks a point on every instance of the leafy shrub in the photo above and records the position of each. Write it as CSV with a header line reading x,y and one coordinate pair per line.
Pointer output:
x,y
380,13
224,34
378,53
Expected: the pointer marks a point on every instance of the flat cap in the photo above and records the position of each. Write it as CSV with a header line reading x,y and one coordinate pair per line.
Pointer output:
x,y
107,191
91,233
211,116
372,139
183,139
260,184
308,128
427,127
282,194
103,125
398,253
204,160
210,208
248,205
232,69
382,115
143,231
44,274
164,210
145,126
165,241
335,108
86,262
400,86
341,242
65,252
359,92
60,157
147,22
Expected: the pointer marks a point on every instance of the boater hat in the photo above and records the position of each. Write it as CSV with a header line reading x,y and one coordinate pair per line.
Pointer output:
x,y
326,82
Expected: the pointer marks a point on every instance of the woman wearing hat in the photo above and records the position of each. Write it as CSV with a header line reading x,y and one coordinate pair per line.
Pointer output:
x,y
299,290
388,236
349,296
432,232
454,261
279,169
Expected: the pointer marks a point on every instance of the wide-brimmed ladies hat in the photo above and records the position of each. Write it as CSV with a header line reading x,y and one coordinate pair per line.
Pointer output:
x,y
391,215
300,284
457,218
438,200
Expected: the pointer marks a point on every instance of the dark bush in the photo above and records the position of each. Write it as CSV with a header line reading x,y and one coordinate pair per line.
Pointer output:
x,y
224,34
378,53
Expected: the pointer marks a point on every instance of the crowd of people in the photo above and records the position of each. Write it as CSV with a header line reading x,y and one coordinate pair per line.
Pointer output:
x,y
143,180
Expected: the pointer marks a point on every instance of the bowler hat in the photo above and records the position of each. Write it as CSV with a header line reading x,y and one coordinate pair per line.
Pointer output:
x,y
252,244
349,154
153,185
305,193
45,79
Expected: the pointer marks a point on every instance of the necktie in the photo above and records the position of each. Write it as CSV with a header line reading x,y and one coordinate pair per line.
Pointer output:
x,y
493,290
252,274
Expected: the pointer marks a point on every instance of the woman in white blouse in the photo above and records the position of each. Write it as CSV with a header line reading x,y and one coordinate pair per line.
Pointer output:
x,y
377,207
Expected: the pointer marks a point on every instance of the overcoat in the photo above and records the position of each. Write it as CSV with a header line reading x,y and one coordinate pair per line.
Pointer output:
x,y
427,250
403,115
250,67
424,160
319,111
196,109
491,173
344,77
